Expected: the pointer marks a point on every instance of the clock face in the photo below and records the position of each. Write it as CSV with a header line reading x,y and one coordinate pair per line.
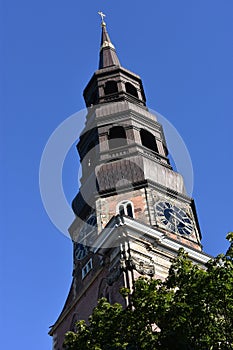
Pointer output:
x,y
88,230
174,218
81,247
80,251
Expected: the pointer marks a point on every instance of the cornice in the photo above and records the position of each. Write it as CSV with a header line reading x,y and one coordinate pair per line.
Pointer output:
x,y
137,229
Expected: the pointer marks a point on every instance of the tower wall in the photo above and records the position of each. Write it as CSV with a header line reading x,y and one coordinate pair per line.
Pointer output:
x,y
132,211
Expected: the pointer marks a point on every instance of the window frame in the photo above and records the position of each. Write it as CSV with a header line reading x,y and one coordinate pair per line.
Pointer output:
x,y
87,268
124,204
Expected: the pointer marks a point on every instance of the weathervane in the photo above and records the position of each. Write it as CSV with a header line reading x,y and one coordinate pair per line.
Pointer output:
x,y
102,15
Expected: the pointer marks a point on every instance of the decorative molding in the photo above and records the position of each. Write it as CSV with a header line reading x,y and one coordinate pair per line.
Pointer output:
x,y
108,238
142,266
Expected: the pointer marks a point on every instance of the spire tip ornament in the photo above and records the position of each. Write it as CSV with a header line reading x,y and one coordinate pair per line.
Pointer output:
x,y
102,15
108,56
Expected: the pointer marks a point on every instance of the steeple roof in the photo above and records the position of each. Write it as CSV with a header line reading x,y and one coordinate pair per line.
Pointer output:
x,y
111,82
108,56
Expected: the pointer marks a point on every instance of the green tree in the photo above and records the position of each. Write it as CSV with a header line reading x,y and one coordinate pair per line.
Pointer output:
x,y
191,309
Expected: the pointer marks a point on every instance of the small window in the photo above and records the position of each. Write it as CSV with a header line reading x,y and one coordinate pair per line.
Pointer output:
x,y
110,87
117,137
126,208
86,268
131,89
148,140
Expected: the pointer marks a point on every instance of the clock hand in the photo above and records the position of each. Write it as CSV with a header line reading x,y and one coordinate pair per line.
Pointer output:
x,y
179,220
172,215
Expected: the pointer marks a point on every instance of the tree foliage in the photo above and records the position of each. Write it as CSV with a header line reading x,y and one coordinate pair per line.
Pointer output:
x,y
191,309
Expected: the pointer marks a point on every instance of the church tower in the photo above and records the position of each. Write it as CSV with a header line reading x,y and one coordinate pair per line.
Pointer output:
x,y
132,213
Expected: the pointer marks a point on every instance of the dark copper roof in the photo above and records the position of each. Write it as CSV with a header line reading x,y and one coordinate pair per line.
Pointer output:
x,y
108,56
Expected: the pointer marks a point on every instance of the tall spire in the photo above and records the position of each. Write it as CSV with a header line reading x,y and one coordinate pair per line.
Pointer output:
x,y
108,56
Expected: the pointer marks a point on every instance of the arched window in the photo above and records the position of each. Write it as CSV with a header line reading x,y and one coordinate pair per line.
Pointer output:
x,y
117,137
126,208
110,87
131,89
148,140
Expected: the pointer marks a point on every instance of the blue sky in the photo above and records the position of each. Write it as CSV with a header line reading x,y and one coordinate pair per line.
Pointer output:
x,y
183,52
